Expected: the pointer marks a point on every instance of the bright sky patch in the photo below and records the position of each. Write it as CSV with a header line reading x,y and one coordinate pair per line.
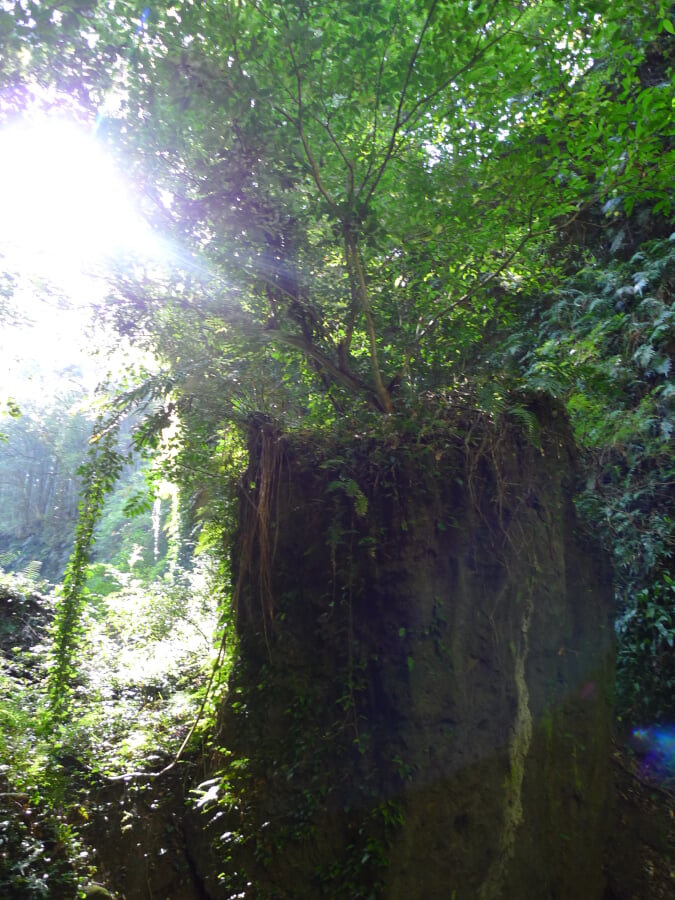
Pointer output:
x,y
65,208
66,214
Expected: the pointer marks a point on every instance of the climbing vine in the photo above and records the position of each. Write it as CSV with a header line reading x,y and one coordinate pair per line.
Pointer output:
x,y
99,474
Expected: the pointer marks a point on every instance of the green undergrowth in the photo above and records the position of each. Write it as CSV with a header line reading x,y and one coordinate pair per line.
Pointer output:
x,y
140,680
144,670
40,855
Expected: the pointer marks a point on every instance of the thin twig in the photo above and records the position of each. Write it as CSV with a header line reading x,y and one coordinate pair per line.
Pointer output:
x,y
399,109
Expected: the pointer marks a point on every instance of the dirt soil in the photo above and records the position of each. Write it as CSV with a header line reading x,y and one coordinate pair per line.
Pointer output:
x,y
641,857
640,861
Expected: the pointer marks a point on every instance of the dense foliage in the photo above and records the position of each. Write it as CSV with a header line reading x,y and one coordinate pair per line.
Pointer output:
x,y
361,214
141,676
604,342
367,202
378,210
361,210
41,464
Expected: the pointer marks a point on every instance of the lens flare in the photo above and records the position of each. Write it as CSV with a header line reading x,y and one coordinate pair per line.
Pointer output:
x,y
65,207
655,745
67,216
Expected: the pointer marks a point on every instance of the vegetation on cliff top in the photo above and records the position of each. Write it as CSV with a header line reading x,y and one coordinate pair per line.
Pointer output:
x,y
362,214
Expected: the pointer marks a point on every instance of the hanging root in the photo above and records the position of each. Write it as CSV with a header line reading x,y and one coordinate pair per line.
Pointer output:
x,y
258,545
256,557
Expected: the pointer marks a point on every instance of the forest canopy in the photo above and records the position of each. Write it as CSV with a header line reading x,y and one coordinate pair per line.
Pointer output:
x,y
359,202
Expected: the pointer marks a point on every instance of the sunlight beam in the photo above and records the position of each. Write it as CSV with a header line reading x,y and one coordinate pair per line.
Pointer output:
x,y
65,208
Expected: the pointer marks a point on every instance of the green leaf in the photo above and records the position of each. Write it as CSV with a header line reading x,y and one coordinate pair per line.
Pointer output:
x,y
663,365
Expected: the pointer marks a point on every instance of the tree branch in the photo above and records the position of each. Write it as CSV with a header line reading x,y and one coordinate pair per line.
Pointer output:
x,y
345,378
354,263
376,110
316,174
405,119
399,109
529,236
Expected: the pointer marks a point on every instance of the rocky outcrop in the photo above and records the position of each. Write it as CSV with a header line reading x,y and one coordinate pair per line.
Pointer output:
x,y
421,705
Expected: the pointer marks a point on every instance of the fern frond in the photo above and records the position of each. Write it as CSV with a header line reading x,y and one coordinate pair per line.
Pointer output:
x,y
7,557
528,422
31,572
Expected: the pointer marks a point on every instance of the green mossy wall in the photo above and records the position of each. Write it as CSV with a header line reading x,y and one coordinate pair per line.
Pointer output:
x,y
423,698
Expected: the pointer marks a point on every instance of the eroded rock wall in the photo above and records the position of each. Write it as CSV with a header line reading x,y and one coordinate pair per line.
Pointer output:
x,y
423,694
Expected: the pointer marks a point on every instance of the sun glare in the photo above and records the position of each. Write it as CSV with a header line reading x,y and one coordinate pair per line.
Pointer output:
x,y
65,208
66,214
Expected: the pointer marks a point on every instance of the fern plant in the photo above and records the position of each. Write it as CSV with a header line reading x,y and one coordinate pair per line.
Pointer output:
x,y
605,345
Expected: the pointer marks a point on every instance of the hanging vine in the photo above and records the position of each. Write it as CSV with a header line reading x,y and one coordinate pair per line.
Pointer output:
x,y
258,545
99,474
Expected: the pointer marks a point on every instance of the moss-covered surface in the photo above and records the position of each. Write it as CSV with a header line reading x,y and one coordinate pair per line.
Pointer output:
x,y
422,703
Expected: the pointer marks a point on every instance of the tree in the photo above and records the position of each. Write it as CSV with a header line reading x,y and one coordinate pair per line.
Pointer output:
x,y
372,194
39,485
362,207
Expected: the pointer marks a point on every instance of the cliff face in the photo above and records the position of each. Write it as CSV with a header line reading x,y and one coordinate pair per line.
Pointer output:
x,y
422,701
